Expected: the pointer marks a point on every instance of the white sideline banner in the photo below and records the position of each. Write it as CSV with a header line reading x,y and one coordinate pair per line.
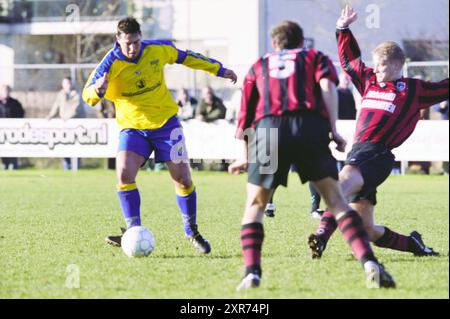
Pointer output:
x,y
92,138
428,142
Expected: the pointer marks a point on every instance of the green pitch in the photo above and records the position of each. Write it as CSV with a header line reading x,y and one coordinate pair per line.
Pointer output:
x,y
52,226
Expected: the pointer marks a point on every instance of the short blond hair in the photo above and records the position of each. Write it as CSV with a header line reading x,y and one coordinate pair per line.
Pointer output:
x,y
390,51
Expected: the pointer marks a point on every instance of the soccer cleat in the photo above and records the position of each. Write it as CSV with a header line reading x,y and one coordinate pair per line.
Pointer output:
x,y
200,243
377,276
316,245
317,214
419,248
115,241
249,281
270,210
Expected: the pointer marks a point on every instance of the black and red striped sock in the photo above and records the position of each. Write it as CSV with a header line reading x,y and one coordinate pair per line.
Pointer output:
x,y
252,237
327,226
394,241
353,231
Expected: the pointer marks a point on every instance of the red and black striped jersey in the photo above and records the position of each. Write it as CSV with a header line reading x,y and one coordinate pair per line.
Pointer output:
x,y
284,82
389,110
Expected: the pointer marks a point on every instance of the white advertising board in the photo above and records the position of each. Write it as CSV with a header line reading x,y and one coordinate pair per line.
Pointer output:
x,y
99,138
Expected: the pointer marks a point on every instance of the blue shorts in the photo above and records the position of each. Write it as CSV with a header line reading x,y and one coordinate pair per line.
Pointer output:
x,y
167,142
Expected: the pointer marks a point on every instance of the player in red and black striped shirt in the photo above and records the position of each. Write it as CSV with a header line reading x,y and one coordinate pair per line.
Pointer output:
x,y
289,107
390,110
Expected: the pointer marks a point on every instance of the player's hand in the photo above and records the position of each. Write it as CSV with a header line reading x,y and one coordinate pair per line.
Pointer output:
x,y
340,141
101,85
238,167
229,74
348,16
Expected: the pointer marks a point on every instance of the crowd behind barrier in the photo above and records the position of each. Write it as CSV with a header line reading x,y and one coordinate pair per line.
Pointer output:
x,y
199,106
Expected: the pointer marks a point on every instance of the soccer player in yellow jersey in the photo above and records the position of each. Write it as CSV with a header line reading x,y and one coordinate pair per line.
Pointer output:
x,y
131,76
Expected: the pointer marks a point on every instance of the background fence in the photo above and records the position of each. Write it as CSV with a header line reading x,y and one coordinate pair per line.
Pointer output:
x,y
36,85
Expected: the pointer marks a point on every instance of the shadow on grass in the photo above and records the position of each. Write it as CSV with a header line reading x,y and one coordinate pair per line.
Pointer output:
x,y
170,256
411,258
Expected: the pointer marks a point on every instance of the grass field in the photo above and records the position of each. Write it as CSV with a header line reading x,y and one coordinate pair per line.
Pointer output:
x,y
52,219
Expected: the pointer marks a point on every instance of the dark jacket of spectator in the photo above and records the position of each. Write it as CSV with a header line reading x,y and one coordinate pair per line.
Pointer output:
x,y
211,108
11,108
347,109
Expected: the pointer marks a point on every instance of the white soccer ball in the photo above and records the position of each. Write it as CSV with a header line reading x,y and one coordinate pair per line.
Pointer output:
x,y
138,241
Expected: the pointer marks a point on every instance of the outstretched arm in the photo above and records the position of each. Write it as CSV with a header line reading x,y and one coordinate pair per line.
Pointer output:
x,y
229,74
349,52
241,164
348,16
249,101
198,61
432,93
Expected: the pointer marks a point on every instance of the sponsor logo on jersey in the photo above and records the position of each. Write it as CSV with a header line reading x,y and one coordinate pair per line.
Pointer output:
x,y
380,105
387,96
140,84
401,86
145,90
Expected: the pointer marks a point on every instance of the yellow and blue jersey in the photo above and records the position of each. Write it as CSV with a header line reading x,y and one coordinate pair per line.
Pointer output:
x,y
137,86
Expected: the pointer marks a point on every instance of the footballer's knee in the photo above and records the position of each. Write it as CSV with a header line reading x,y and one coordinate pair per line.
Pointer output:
x,y
350,180
336,204
257,200
125,177
182,181
183,184
126,174
254,210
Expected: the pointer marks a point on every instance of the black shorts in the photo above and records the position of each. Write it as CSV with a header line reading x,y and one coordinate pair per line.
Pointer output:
x,y
375,162
299,139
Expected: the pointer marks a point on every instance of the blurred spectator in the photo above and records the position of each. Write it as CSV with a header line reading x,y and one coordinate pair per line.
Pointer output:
x,y
233,107
187,105
68,102
68,105
346,104
442,108
9,108
425,114
22,11
211,108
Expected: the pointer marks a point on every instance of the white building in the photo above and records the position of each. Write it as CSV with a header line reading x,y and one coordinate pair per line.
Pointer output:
x,y
235,32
